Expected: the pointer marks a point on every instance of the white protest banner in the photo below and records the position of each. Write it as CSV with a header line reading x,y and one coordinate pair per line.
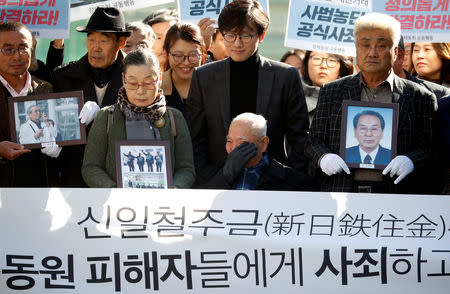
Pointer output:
x,y
422,21
84,8
45,19
212,241
325,26
194,10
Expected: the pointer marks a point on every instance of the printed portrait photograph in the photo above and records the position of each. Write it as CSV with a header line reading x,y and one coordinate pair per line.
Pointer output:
x,y
37,122
142,165
369,133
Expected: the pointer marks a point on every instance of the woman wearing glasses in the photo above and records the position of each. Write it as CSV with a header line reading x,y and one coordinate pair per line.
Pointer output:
x,y
185,51
320,68
139,114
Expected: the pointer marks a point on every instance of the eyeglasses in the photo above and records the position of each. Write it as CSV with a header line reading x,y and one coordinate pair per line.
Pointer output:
x,y
180,58
245,38
317,60
365,130
147,84
12,51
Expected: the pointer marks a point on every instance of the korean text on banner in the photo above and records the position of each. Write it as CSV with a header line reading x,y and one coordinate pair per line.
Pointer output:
x,y
325,26
422,21
44,18
194,10
212,241
83,9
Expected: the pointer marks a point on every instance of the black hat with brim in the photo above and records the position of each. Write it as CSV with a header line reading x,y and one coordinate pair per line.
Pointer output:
x,y
106,20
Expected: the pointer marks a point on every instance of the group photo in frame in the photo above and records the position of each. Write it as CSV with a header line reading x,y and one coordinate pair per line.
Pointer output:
x,y
42,120
368,133
143,164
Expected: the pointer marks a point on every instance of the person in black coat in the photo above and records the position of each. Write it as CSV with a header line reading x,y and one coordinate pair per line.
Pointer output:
x,y
98,74
245,82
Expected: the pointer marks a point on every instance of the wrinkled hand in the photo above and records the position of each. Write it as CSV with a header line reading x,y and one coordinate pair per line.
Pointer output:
x,y
207,30
400,166
52,151
10,150
237,159
332,164
88,112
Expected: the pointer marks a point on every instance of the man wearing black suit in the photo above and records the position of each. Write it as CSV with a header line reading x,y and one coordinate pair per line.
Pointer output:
x,y
245,82
368,128
376,39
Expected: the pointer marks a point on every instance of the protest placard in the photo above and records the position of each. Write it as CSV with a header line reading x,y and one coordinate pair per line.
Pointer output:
x,y
194,10
422,21
45,19
323,25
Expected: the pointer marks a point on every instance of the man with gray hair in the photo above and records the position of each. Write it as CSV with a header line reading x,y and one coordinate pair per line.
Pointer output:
x,y
142,35
31,131
248,166
376,39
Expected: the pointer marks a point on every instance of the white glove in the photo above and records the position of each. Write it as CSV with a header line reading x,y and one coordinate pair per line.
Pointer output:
x,y
401,166
332,164
88,112
52,151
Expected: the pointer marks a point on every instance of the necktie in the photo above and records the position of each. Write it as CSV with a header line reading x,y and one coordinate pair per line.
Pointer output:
x,y
367,159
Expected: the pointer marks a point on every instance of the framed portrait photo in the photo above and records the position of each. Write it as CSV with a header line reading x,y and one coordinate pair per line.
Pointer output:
x,y
368,133
143,164
44,120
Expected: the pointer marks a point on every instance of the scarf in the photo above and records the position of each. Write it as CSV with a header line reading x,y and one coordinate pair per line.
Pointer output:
x,y
151,113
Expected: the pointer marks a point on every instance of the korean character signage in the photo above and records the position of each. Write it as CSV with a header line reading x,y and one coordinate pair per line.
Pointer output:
x,y
421,20
44,18
194,10
325,26
212,241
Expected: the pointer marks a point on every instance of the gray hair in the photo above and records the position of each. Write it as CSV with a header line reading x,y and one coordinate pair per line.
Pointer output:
x,y
142,56
378,21
145,29
256,122
29,109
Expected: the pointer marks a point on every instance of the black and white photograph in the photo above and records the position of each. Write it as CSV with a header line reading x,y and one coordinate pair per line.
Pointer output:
x,y
41,120
143,164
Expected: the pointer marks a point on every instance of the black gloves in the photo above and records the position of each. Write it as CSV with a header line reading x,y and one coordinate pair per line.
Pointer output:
x,y
237,160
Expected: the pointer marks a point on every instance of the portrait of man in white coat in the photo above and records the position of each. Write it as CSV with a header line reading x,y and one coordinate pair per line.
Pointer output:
x,y
32,131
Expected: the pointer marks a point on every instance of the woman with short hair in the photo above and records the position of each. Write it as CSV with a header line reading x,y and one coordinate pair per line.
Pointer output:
x,y
140,105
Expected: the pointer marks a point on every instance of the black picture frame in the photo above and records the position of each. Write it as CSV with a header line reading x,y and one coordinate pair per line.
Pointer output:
x,y
58,119
132,172
366,136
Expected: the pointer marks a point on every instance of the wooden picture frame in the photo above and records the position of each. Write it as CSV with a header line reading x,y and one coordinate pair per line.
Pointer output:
x,y
39,121
368,133
144,172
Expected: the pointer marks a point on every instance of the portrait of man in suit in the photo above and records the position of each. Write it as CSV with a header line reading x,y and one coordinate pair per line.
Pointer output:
x,y
368,127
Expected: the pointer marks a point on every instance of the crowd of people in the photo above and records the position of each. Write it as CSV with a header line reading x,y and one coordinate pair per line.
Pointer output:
x,y
233,118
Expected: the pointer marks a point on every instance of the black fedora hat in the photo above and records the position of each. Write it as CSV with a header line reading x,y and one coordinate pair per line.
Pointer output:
x,y
106,20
